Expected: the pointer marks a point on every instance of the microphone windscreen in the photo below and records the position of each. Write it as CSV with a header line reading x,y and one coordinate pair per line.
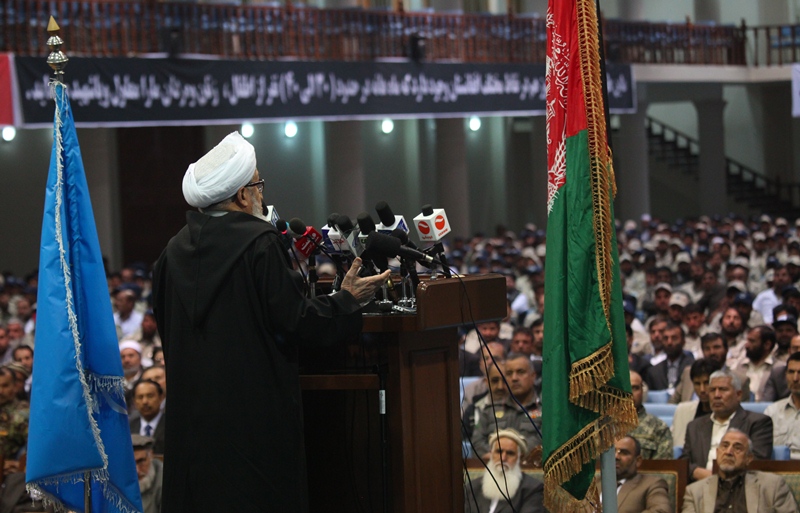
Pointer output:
x,y
345,224
332,220
382,244
427,210
400,234
281,225
385,213
297,226
365,223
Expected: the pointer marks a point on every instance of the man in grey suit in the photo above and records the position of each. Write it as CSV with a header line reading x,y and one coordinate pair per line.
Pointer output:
x,y
703,434
735,486
637,493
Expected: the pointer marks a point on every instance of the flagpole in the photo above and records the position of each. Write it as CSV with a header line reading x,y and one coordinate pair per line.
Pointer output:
x,y
58,61
608,467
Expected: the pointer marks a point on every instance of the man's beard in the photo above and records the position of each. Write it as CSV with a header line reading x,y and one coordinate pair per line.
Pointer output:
x,y
146,482
131,371
755,355
257,209
507,482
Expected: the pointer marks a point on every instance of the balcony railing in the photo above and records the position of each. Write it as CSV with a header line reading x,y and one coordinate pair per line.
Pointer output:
x,y
115,28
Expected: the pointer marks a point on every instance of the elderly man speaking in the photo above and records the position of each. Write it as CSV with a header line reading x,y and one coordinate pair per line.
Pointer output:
x,y
232,315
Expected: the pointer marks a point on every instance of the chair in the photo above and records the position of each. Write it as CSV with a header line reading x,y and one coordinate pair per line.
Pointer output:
x,y
657,397
755,407
781,453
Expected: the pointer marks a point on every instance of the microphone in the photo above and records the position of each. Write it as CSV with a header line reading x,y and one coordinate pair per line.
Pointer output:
x,y
389,221
404,240
350,235
307,238
366,226
432,224
332,239
382,244
283,227
270,212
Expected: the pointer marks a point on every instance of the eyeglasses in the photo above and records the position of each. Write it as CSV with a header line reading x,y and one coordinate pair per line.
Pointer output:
x,y
258,185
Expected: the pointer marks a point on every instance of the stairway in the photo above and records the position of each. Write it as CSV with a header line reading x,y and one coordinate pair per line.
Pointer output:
x,y
746,186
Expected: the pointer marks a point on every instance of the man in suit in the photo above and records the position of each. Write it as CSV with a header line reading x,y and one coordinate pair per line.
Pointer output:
x,y
776,387
704,434
147,397
735,487
504,487
667,373
637,493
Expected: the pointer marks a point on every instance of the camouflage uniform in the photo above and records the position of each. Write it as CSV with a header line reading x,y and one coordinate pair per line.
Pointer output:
x,y
654,436
507,415
13,428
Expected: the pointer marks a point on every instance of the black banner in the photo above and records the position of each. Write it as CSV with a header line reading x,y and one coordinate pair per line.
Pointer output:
x,y
159,91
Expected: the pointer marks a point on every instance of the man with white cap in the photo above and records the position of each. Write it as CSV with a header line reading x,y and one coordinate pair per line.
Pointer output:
x,y
224,282
504,487
130,352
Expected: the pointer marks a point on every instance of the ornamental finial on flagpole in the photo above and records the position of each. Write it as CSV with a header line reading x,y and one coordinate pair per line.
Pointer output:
x,y
57,59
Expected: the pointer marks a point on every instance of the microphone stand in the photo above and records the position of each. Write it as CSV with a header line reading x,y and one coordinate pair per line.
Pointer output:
x,y
408,274
313,278
438,250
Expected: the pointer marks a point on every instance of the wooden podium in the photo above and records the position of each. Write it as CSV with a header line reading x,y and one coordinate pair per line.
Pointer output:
x,y
408,460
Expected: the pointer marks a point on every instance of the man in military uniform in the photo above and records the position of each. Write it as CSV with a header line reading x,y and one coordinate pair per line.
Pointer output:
x,y
13,417
652,433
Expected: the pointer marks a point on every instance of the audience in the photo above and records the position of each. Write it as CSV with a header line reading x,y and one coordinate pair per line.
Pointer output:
x,y
150,472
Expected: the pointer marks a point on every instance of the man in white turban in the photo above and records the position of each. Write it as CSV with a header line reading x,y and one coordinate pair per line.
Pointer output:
x,y
231,317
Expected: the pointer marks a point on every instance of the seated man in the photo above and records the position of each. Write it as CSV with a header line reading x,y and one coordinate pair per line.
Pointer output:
x,y
13,420
504,488
637,493
495,395
478,388
703,435
652,433
776,387
714,347
150,472
147,397
784,413
687,411
735,488
520,376
666,374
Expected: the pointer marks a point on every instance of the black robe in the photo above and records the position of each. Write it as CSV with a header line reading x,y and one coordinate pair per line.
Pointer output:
x,y
231,315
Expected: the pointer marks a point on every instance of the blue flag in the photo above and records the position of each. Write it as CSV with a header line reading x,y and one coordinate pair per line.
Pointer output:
x,y
78,420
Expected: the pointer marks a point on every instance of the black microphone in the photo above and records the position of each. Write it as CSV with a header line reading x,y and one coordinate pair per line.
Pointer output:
x,y
404,240
381,244
285,237
366,225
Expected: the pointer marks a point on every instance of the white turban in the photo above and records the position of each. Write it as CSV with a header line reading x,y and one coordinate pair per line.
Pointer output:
x,y
221,172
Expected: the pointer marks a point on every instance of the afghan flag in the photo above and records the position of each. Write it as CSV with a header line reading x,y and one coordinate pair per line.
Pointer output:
x,y
587,403
78,431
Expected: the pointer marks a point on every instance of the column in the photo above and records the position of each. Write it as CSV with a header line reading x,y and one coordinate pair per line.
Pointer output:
x,y
632,165
713,175
345,167
631,10
526,186
452,178
706,10
99,151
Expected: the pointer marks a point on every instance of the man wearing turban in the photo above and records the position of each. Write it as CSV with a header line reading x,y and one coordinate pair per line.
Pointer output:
x,y
231,316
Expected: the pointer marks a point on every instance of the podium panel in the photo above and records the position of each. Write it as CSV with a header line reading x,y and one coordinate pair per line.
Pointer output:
x,y
408,459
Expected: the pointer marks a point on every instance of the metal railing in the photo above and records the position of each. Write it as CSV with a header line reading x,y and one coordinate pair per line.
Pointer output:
x,y
743,183
122,28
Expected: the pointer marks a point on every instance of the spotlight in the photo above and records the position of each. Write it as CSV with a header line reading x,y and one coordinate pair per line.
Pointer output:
x,y
247,130
290,129
9,133
474,123
387,125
